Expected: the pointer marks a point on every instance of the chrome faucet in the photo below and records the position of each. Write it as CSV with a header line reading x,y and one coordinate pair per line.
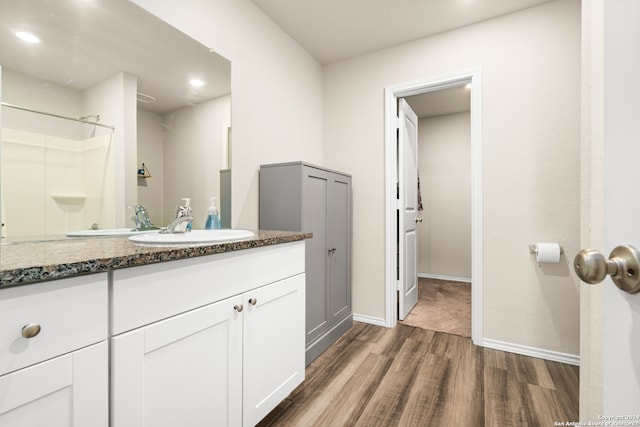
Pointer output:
x,y
141,218
178,225
181,221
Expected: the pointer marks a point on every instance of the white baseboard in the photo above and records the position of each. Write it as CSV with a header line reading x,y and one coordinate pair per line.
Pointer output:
x,y
441,277
540,353
369,319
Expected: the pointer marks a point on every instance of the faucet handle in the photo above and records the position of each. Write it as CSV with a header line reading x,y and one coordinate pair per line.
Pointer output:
x,y
141,218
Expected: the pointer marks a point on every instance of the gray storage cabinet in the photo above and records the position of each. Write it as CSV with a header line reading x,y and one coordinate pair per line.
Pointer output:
x,y
303,197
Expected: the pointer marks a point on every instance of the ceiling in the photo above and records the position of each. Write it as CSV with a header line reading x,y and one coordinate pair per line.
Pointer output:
x,y
441,102
333,30
83,33
84,43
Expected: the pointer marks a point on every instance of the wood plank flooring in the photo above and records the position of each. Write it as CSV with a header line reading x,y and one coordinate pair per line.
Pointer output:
x,y
406,376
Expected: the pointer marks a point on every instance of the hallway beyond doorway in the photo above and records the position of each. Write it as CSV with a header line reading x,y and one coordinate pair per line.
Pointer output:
x,y
443,306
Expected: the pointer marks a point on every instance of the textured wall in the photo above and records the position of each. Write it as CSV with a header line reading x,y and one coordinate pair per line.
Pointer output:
x,y
444,162
530,64
276,90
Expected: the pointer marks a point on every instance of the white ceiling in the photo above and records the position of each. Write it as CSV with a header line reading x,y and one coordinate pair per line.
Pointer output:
x,y
333,30
441,102
84,43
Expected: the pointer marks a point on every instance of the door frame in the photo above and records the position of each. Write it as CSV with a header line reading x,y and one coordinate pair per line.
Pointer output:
x,y
391,95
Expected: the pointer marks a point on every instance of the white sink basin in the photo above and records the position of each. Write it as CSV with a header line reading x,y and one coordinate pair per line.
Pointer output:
x,y
192,237
107,232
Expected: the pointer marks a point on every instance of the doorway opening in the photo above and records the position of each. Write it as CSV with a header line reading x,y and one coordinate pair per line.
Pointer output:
x,y
444,229
403,90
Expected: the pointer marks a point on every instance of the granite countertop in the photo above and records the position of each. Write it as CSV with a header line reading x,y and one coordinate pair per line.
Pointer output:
x,y
29,262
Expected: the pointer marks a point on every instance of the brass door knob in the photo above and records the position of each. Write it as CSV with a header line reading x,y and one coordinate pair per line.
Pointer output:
x,y
623,265
31,330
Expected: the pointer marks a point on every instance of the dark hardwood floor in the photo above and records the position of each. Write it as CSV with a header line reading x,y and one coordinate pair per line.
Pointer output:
x,y
406,376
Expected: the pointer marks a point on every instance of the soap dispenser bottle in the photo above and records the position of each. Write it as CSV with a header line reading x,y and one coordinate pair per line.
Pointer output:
x,y
213,219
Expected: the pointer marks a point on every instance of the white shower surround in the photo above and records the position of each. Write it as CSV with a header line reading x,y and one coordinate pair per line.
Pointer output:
x,y
53,185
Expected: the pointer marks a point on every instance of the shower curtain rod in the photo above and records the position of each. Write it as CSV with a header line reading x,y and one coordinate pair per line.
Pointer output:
x,y
4,104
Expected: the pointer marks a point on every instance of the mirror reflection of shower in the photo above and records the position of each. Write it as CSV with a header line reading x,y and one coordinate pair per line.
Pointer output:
x,y
57,173
90,119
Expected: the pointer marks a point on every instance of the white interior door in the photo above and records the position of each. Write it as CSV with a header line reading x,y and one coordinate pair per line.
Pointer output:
x,y
407,209
621,347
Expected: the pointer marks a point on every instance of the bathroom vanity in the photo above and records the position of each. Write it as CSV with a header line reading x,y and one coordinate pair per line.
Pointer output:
x,y
150,336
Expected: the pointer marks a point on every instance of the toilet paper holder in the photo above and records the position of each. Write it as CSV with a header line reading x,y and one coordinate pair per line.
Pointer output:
x,y
532,249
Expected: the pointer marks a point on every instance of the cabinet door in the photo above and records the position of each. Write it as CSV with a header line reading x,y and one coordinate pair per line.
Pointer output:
x,y
339,213
316,199
273,345
69,390
182,371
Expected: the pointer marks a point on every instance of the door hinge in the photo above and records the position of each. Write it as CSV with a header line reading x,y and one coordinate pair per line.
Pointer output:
x,y
398,285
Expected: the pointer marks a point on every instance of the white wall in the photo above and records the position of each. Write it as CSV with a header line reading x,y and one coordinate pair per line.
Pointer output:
x,y
29,92
115,100
26,91
150,152
530,64
193,146
531,71
276,89
444,163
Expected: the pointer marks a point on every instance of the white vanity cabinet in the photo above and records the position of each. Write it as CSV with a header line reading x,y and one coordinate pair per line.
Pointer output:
x,y
54,363
215,340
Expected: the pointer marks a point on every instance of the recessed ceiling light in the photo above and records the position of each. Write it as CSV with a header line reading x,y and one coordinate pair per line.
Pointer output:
x,y
196,82
27,37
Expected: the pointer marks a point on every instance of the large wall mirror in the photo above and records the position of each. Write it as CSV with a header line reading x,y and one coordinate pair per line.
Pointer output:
x,y
108,88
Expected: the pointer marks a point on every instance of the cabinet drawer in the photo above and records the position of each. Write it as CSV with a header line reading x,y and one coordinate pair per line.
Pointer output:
x,y
146,294
72,313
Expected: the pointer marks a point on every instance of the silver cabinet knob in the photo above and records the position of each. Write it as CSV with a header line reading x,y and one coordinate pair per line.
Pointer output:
x,y
623,265
253,301
418,219
31,330
238,307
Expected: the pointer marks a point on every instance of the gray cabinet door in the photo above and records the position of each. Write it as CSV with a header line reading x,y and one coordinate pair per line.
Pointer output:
x,y
339,212
315,196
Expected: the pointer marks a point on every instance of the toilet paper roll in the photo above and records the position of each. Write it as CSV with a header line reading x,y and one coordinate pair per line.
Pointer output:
x,y
548,252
